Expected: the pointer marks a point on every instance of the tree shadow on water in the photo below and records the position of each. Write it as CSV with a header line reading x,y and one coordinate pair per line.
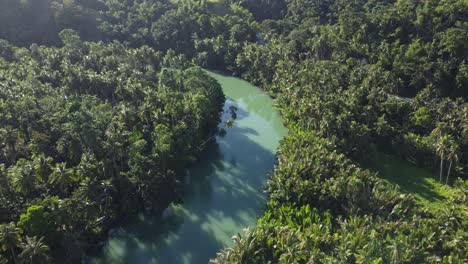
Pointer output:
x,y
240,112
223,195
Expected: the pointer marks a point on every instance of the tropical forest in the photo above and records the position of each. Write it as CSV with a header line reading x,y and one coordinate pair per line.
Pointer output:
x,y
234,131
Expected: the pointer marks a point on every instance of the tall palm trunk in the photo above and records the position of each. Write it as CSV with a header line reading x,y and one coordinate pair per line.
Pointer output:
x,y
12,251
441,166
448,173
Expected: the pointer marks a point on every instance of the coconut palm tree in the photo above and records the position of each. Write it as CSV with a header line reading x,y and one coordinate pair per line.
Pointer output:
x,y
35,251
23,178
442,146
10,238
452,156
42,166
464,122
8,135
61,177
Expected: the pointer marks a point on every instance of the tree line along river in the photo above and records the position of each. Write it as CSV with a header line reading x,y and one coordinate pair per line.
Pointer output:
x,y
224,189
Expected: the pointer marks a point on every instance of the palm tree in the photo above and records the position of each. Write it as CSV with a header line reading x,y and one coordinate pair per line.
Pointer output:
x,y
23,177
115,140
61,177
394,254
439,131
8,134
35,251
10,238
452,156
441,150
464,122
42,166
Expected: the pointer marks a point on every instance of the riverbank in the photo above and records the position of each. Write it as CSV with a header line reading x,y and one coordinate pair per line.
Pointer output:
x,y
224,194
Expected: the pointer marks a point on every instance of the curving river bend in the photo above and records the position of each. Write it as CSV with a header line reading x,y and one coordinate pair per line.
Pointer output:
x,y
224,195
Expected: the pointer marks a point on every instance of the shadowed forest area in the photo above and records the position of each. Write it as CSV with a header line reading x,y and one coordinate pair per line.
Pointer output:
x,y
420,182
104,103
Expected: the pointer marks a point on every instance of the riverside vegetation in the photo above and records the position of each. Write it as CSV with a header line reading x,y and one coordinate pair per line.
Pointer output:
x,y
102,106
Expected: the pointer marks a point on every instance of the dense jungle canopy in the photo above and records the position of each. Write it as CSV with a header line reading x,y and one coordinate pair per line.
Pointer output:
x,y
103,104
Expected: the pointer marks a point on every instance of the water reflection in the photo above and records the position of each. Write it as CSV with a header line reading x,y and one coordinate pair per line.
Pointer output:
x,y
224,194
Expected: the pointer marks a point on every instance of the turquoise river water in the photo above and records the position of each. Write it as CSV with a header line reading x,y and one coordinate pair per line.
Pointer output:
x,y
224,189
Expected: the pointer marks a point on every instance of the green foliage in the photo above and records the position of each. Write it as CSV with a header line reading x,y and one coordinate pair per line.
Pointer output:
x,y
92,132
39,21
34,251
37,222
10,238
353,79
413,180
97,133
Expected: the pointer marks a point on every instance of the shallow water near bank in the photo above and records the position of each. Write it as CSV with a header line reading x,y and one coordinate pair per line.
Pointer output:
x,y
224,192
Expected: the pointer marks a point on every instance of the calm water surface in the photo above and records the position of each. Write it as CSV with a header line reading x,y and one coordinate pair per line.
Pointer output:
x,y
224,194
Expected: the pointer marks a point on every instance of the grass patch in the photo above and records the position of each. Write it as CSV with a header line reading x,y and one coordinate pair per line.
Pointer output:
x,y
420,182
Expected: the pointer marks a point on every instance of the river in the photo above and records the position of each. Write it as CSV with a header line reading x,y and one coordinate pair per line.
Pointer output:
x,y
224,193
